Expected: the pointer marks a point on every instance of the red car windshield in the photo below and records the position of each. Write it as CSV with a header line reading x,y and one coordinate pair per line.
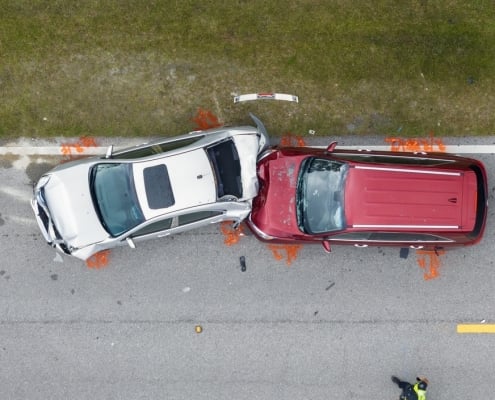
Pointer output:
x,y
320,195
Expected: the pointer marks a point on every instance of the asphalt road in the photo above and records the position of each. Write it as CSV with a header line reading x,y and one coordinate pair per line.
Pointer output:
x,y
324,327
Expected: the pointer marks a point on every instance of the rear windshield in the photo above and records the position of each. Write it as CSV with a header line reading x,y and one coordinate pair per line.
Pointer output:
x,y
114,197
225,161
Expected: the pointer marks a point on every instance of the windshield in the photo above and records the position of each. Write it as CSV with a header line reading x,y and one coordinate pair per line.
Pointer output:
x,y
320,195
114,196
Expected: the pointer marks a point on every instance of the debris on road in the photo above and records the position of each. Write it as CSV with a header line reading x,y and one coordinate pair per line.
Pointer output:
x,y
404,252
266,96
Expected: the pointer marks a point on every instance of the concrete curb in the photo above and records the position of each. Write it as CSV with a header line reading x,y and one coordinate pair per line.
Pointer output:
x,y
100,150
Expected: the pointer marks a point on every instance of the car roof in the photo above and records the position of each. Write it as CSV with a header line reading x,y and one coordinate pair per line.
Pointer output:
x,y
410,198
185,180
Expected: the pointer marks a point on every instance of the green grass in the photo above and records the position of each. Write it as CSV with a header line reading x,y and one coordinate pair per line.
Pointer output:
x,y
144,67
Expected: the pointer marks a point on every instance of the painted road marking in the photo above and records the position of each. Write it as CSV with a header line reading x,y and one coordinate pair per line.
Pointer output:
x,y
430,261
205,119
100,150
48,150
476,328
289,252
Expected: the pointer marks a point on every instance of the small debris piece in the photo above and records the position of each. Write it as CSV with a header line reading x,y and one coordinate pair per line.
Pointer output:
x,y
332,284
242,260
404,252
198,329
266,96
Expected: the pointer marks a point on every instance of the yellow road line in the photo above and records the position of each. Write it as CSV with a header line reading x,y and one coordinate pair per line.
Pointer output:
x,y
476,328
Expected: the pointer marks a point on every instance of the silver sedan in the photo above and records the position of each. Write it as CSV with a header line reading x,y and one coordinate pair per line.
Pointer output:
x,y
152,190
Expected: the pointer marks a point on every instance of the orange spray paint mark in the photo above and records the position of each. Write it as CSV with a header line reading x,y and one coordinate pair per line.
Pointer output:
x,y
287,251
205,119
231,235
73,150
290,140
430,262
99,260
430,144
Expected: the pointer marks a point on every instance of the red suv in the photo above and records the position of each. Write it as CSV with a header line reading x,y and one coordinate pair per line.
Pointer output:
x,y
369,198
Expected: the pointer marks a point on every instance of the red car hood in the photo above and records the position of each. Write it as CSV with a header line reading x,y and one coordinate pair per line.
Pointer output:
x,y
274,209
388,198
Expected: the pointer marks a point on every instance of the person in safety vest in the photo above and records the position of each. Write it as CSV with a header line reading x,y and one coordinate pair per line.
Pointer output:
x,y
411,391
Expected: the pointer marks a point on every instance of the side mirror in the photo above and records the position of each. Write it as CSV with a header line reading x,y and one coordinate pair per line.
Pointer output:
x,y
109,151
131,243
331,147
326,246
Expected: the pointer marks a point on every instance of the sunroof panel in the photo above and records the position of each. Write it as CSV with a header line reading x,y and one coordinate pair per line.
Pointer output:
x,y
158,189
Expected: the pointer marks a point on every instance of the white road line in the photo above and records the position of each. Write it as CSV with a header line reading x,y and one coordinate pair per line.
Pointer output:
x,y
57,150
47,150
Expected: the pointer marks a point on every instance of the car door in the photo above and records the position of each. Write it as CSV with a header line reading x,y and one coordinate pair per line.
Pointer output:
x,y
177,224
197,219
151,230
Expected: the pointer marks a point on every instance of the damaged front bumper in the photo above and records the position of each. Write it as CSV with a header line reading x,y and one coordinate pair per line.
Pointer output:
x,y
42,214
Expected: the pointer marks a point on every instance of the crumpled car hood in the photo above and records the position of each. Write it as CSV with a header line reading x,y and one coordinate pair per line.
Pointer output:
x,y
247,147
69,202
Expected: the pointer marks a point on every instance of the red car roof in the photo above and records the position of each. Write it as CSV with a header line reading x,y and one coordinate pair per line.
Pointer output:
x,y
410,199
